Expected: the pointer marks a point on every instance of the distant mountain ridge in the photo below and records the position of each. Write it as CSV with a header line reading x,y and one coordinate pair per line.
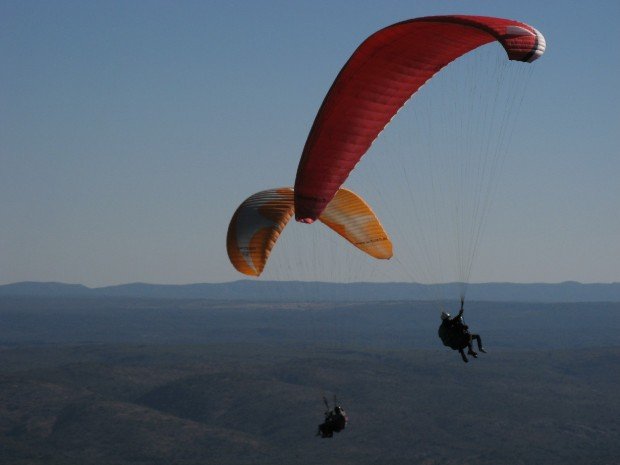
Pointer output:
x,y
568,291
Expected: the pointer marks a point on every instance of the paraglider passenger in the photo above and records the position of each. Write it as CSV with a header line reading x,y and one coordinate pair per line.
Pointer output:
x,y
340,419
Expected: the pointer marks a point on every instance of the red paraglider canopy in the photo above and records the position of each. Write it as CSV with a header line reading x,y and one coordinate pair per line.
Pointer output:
x,y
381,75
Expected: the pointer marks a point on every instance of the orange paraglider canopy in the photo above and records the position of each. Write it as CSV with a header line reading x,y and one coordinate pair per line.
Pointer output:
x,y
260,219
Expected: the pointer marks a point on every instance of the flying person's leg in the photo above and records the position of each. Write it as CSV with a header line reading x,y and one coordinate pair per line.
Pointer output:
x,y
479,341
470,349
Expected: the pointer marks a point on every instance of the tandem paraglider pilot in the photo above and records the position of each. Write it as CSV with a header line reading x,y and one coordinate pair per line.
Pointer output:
x,y
335,421
454,333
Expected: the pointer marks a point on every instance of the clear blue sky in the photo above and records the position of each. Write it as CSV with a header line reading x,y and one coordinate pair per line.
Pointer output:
x,y
131,130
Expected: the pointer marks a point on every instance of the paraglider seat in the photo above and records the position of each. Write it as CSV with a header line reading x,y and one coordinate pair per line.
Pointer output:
x,y
457,337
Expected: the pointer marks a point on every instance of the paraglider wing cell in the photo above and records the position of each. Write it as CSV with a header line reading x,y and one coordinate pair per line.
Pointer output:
x,y
255,228
353,219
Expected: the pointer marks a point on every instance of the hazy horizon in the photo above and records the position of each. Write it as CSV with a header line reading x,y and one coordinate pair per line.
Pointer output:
x,y
293,280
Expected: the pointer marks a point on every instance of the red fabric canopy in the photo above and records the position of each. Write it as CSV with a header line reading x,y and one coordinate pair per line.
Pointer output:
x,y
381,75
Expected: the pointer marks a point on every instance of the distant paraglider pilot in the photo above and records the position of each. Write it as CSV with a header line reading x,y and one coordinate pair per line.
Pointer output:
x,y
335,420
454,333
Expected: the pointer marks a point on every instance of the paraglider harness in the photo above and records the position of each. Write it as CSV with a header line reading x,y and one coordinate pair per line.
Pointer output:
x,y
335,420
455,334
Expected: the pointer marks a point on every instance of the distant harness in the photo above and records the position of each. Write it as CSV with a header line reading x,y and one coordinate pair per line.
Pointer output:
x,y
335,421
